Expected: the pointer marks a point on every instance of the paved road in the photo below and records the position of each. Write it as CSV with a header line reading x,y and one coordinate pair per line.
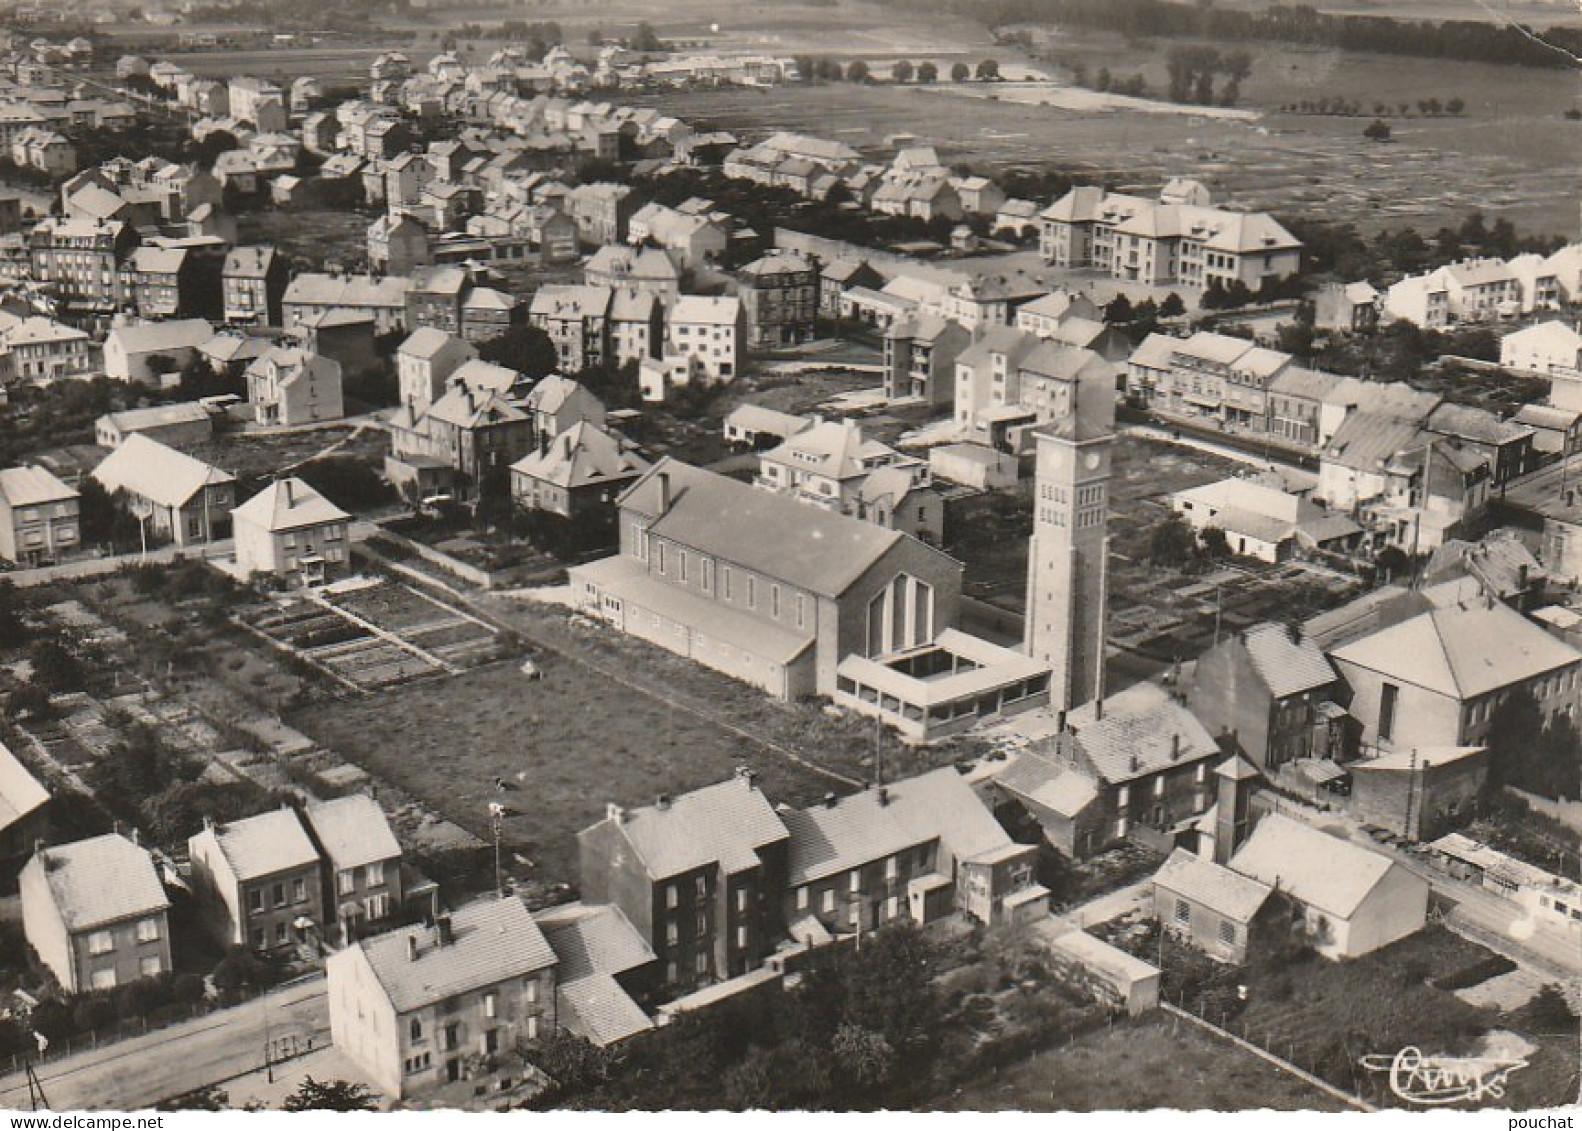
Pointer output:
x,y
134,1074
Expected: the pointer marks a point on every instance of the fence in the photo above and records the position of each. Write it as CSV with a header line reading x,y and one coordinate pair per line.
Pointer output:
x,y
164,1017
1225,1030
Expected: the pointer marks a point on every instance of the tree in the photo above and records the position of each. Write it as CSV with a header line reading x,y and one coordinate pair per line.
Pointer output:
x,y
1172,544
1215,544
13,632
927,72
1118,309
644,38
55,669
960,72
902,71
988,70
1378,130
1173,306
526,349
857,71
1103,80
330,1095
1455,107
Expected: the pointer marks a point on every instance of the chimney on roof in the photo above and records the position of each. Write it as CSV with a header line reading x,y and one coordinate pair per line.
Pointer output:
x,y
447,933
1060,721
290,491
39,847
1175,747
662,801
1135,763
1098,709
411,948
884,795
830,799
664,492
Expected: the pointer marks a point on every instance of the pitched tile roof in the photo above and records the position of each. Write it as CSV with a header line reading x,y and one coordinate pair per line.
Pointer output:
x,y
869,826
20,792
581,455
1060,789
1324,872
353,830
493,940
769,533
158,415
597,1008
1213,885
724,823
1287,666
288,504
29,485
154,471
1460,652
593,938
260,846
1140,729
102,880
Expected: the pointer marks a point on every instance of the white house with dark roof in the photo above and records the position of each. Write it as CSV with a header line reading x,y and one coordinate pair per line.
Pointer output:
x,y
1353,899
288,530
95,912
1436,679
437,1010
362,863
178,497
258,881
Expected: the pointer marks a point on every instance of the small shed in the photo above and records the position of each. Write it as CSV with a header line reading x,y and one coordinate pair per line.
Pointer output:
x,y
1108,974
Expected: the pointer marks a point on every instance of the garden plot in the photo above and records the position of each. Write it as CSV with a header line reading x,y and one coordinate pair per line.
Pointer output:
x,y
374,634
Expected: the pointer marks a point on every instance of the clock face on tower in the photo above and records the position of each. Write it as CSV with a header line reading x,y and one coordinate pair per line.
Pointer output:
x,y
1091,461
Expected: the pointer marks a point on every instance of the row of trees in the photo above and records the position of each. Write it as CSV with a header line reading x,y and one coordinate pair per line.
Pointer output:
x,y
1473,40
1193,70
1345,108
903,71
1134,86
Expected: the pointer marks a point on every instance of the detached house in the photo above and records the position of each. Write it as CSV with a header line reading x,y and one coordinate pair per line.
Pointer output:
x,y
1274,692
699,876
178,497
1352,899
254,282
95,911
438,1010
290,531
40,517
289,386
1135,765
580,471
258,881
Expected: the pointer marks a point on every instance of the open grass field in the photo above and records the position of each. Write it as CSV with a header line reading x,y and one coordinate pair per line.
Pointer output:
x,y
1511,154
1156,1063
571,742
